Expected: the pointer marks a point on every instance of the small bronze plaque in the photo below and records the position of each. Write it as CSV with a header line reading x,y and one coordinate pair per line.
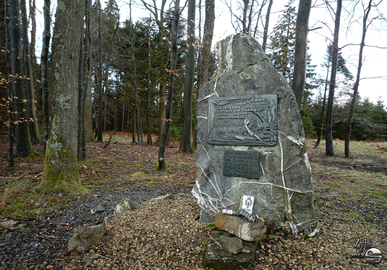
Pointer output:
x,y
243,164
243,120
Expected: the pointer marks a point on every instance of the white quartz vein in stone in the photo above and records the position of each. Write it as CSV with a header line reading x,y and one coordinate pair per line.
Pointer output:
x,y
202,201
293,164
270,184
215,186
229,55
300,141
207,97
288,201
205,150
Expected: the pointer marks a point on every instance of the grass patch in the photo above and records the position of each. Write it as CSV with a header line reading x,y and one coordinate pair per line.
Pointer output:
x,y
20,199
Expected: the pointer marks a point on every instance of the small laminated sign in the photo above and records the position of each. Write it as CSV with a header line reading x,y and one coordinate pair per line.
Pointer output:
x,y
247,203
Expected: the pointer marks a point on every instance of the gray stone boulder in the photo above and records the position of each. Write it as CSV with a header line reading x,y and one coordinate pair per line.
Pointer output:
x,y
250,127
85,237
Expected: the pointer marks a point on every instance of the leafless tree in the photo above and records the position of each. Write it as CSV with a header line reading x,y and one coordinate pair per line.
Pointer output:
x,y
302,29
185,144
172,74
366,24
330,151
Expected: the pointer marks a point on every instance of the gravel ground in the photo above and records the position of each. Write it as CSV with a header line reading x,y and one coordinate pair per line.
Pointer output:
x,y
164,235
42,243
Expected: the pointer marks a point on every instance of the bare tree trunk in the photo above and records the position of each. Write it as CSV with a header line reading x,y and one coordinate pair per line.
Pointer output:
x,y
266,27
44,67
134,126
28,79
138,117
164,139
205,51
31,64
207,42
356,86
89,134
123,118
60,166
106,82
322,111
185,144
81,94
163,94
302,29
148,93
33,32
18,75
158,14
330,151
198,73
11,60
245,30
100,90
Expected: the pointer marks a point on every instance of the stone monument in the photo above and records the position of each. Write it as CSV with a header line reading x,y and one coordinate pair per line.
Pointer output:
x,y
251,141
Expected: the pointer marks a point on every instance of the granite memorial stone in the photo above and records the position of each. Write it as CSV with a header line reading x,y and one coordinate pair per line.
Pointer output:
x,y
251,141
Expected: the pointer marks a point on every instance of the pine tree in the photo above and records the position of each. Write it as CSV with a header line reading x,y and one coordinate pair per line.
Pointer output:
x,y
282,43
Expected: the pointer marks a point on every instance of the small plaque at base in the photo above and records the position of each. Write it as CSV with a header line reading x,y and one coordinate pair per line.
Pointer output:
x,y
243,164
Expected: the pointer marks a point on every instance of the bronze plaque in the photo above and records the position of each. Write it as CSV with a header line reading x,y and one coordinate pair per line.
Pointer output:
x,y
243,164
243,120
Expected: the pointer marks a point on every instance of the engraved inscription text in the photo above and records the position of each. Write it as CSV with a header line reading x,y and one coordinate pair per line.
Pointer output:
x,y
243,120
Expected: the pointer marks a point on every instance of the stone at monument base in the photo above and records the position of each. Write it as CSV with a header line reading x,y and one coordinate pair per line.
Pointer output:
x,y
217,254
241,228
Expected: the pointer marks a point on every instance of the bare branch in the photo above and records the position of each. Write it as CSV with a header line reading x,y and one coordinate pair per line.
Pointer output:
x,y
372,78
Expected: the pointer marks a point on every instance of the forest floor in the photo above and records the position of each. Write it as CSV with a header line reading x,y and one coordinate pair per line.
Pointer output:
x,y
350,200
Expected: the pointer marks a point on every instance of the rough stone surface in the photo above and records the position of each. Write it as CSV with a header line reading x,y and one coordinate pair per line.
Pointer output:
x,y
99,208
216,254
85,237
284,192
124,206
233,245
241,228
